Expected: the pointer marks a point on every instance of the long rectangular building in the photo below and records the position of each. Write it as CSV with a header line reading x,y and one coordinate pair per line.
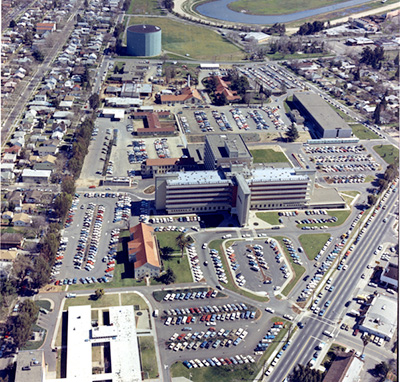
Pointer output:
x,y
237,192
327,123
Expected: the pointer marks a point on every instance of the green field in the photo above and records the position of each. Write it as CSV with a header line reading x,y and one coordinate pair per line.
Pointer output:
x,y
362,132
269,217
147,357
168,239
341,216
106,300
296,268
199,42
313,243
389,153
133,299
349,196
144,7
279,7
268,156
180,266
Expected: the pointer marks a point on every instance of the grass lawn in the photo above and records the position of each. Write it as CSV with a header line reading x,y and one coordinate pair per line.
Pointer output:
x,y
106,300
349,196
279,7
217,244
133,299
269,217
147,357
389,153
168,239
45,304
180,267
313,243
297,269
144,7
369,178
362,132
199,42
268,156
341,216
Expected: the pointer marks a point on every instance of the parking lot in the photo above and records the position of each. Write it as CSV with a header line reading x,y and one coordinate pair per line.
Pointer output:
x,y
257,266
232,119
92,234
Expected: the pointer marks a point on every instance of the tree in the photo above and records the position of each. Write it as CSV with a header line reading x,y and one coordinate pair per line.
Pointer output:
x,y
68,185
94,101
166,252
13,24
305,374
41,272
382,369
22,323
182,242
372,199
168,277
365,339
98,293
62,204
38,55
292,134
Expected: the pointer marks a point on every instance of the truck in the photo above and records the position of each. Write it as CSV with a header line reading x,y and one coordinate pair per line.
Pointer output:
x,y
155,313
71,295
328,333
353,313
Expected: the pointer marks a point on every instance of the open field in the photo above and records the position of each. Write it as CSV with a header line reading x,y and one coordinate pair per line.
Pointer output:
x,y
362,132
199,42
389,153
106,300
313,243
269,217
147,357
133,299
180,267
144,7
279,7
168,239
268,156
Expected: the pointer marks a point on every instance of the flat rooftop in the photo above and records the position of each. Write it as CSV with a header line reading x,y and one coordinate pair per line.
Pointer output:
x,y
227,146
198,177
321,111
30,366
275,175
121,334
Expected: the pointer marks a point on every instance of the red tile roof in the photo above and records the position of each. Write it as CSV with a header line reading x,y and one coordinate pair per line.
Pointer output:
x,y
143,246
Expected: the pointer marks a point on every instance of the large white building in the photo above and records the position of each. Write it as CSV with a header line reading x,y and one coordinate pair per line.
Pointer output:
x,y
118,339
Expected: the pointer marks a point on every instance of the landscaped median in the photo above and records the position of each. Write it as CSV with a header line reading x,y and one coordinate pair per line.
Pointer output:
x,y
217,245
297,269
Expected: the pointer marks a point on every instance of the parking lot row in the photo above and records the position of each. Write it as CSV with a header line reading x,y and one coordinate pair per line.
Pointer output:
x,y
235,360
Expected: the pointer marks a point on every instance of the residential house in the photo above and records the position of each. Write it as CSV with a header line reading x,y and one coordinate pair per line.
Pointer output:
x,y
35,176
48,162
48,147
9,158
22,220
33,196
11,240
143,251
15,198
29,208
7,215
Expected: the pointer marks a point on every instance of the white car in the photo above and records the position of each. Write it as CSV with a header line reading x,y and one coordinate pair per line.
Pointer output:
x,y
270,310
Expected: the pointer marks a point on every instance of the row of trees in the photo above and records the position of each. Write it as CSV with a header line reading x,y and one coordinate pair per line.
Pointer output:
x,y
311,28
374,57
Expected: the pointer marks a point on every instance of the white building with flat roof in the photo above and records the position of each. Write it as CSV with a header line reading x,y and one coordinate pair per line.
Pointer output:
x,y
119,336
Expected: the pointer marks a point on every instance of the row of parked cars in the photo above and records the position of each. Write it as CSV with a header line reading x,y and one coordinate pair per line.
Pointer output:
x,y
203,122
312,149
209,339
194,262
190,295
350,167
122,210
221,120
236,360
59,257
353,178
341,158
138,153
71,212
219,268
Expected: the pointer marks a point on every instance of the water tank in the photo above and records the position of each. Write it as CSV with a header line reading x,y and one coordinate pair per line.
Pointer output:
x,y
143,40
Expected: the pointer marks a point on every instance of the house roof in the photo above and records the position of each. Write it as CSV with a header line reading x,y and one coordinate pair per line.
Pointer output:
x,y
143,246
223,87
11,238
8,255
187,93
340,367
22,217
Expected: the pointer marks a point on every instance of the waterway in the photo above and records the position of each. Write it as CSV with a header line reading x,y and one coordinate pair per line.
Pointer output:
x,y
219,10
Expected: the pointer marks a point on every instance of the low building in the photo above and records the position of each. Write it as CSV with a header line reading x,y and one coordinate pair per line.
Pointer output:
x,y
11,240
154,167
45,27
35,176
345,368
390,275
22,220
48,162
327,123
114,114
222,87
30,366
381,317
153,125
118,339
143,251
188,96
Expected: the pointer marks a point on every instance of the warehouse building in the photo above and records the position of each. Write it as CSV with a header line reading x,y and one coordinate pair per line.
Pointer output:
x,y
143,40
327,123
